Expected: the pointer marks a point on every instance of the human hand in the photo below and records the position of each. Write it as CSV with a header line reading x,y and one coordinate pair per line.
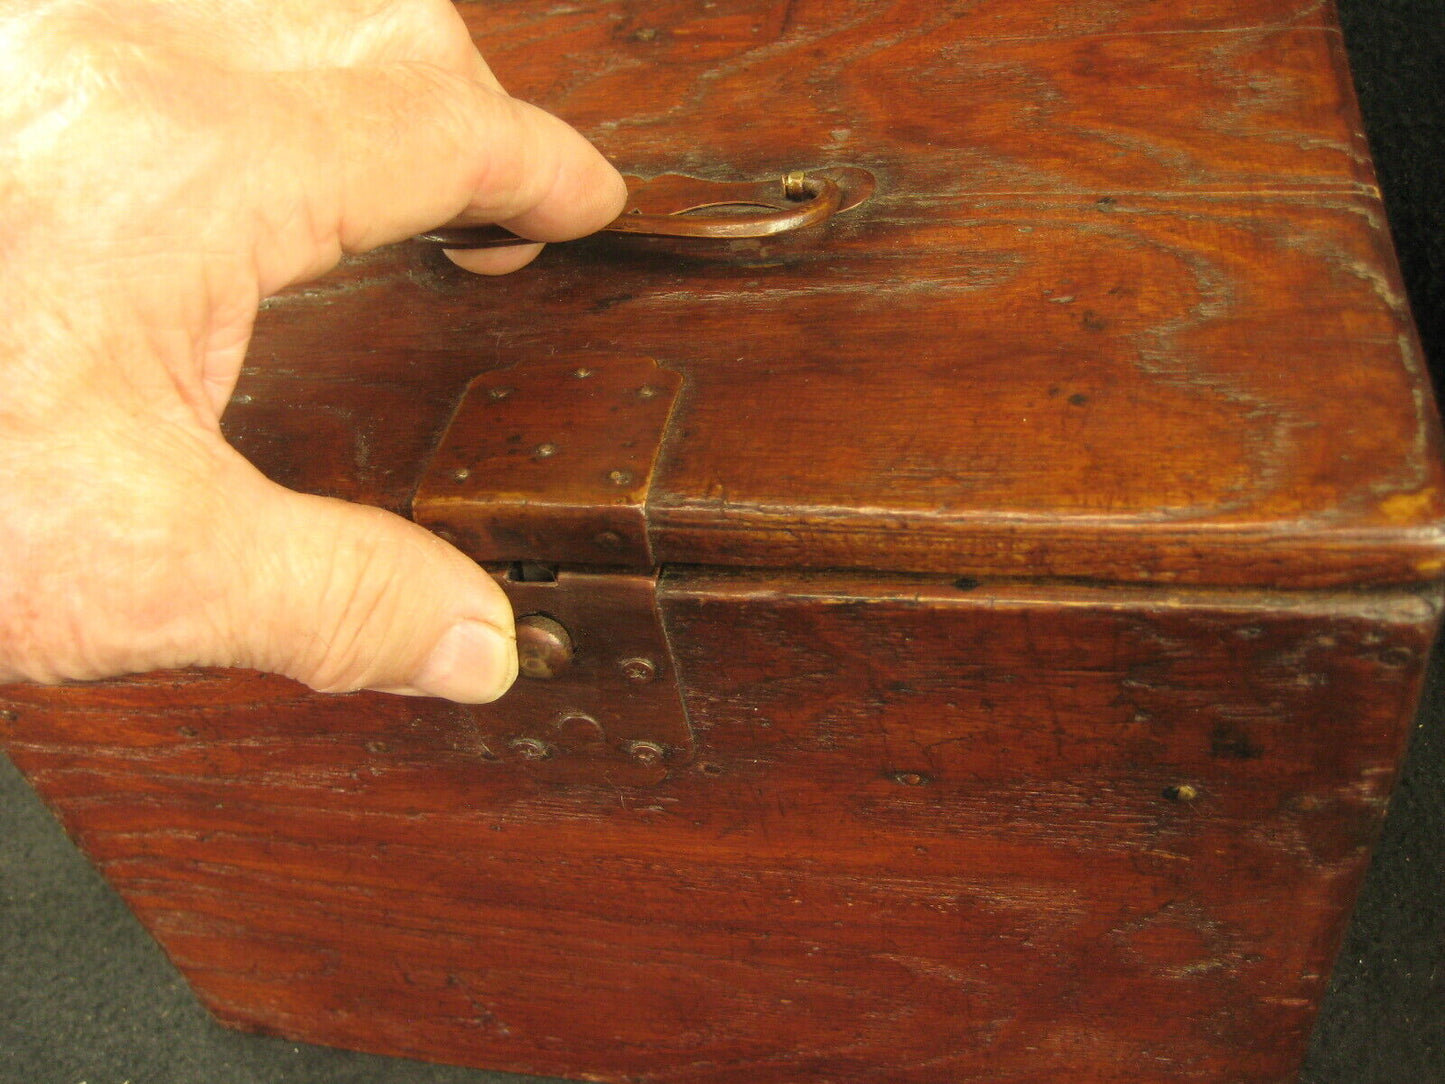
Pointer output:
x,y
163,167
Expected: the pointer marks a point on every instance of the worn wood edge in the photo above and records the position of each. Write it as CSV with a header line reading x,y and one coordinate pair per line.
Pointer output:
x,y
1315,15
1393,605
1130,553
1349,95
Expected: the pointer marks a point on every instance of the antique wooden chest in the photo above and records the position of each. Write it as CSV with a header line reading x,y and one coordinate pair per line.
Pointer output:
x,y
972,638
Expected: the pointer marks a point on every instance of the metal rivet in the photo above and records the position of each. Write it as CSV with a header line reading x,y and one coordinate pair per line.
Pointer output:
x,y
581,374
1181,792
647,391
638,671
461,474
648,752
607,540
544,647
499,393
544,451
620,477
531,748
795,185
909,779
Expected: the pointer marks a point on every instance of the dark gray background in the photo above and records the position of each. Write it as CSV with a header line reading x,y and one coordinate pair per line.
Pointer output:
x,y
85,996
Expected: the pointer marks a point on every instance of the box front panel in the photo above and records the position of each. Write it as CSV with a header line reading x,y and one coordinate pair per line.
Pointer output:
x,y
932,833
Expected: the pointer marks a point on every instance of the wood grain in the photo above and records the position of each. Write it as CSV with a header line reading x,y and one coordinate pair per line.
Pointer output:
x,y
1058,387
1123,313
1124,306
968,97
928,837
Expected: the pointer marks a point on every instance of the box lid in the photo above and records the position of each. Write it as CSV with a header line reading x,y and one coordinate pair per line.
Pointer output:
x,y
1123,307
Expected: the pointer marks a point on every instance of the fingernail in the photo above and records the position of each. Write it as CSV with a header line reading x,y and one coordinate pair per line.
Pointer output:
x,y
472,663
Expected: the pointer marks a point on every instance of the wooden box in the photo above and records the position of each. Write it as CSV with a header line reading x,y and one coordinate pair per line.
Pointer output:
x,y
995,615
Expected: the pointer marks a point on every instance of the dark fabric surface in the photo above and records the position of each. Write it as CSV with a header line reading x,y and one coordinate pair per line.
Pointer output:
x,y
1384,1020
85,996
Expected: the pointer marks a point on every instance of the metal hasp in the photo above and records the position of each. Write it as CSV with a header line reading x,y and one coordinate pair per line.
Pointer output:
x,y
545,466
614,714
551,463
665,206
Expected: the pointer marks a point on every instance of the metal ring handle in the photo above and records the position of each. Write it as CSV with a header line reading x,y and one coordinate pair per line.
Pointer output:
x,y
808,200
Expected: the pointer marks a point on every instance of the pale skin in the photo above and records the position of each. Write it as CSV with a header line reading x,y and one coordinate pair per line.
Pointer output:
x,y
163,167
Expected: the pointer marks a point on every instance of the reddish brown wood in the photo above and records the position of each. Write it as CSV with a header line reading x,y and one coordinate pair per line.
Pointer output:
x,y
1123,307
931,835
1123,310
962,96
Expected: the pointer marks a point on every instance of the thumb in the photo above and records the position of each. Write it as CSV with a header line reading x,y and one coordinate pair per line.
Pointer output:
x,y
343,597
141,548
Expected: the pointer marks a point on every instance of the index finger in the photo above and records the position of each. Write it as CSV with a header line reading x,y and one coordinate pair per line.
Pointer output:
x,y
385,153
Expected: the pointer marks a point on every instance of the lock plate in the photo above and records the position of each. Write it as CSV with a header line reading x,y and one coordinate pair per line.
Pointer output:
x,y
614,715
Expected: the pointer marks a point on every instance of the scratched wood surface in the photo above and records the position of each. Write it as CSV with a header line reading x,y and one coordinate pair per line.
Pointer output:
x,y
1004,835
1124,306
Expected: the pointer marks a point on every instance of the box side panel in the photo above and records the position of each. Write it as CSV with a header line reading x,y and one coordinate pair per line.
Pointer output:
x,y
931,835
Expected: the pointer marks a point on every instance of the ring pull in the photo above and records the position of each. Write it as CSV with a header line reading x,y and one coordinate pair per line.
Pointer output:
x,y
666,206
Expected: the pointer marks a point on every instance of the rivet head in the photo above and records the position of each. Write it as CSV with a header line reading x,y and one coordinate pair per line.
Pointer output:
x,y
531,748
544,451
461,474
647,391
581,374
544,647
645,752
638,671
499,393
620,477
